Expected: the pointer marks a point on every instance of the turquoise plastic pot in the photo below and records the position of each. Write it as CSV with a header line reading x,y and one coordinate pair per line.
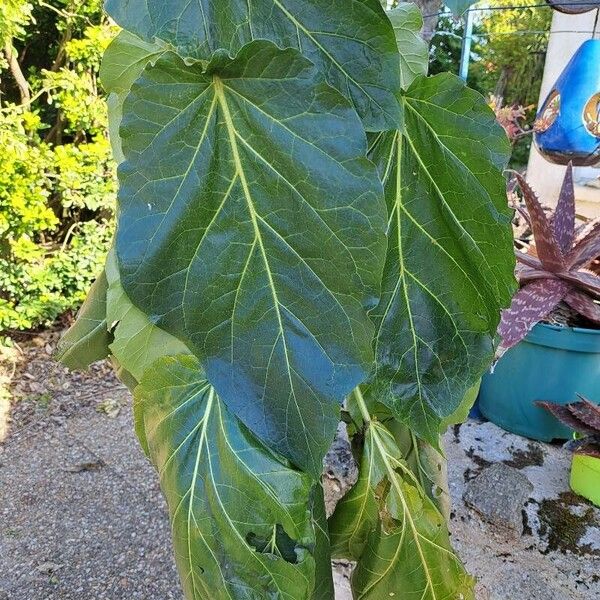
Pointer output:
x,y
552,363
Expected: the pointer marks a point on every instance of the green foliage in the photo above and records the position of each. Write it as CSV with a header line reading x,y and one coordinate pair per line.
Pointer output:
x,y
57,182
24,181
324,34
85,177
14,17
513,64
389,524
88,340
235,506
47,281
451,150
258,172
407,21
507,57
250,289
137,342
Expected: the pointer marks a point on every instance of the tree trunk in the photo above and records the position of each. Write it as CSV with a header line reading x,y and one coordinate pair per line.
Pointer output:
x,y
15,70
430,10
501,85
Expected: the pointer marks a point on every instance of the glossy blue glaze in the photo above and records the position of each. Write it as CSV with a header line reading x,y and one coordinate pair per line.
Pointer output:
x,y
568,139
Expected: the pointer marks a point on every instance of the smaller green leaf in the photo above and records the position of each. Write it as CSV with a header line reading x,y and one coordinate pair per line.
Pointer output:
x,y
357,515
407,21
137,341
125,59
87,340
459,7
394,531
461,414
242,521
123,62
450,261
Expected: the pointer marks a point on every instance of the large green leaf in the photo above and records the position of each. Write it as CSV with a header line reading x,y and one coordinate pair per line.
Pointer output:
x,y
137,342
122,63
350,41
242,521
407,21
394,531
88,338
252,228
450,261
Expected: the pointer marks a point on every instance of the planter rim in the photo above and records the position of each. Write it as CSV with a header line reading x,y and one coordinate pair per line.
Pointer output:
x,y
576,339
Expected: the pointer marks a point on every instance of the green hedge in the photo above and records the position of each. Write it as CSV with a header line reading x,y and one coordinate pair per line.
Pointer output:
x,y
57,178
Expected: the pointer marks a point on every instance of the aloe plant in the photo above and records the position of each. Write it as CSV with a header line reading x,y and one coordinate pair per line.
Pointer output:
x,y
583,417
305,219
558,271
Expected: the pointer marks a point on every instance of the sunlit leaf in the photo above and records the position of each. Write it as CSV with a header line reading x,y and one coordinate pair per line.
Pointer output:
x,y
88,338
123,62
394,531
137,342
241,516
357,514
407,21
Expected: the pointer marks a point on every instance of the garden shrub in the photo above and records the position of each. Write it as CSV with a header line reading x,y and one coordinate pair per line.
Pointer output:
x,y
57,177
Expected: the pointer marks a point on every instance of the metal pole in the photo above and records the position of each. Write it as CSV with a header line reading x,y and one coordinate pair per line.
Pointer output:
x,y
465,54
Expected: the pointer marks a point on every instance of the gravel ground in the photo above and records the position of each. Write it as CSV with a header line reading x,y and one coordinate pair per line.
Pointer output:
x,y
82,518
557,557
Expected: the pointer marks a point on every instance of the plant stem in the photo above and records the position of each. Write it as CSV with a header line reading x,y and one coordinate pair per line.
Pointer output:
x,y
362,405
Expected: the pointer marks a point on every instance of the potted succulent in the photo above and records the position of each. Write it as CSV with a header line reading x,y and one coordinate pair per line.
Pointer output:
x,y
538,356
584,418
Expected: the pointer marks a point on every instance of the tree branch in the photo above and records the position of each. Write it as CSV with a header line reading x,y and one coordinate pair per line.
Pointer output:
x,y
15,70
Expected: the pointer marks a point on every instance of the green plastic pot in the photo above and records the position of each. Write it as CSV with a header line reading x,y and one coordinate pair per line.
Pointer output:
x,y
552,363
585,477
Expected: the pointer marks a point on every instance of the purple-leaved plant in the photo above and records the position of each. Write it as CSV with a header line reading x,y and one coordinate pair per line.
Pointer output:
x,y
558,273
584,418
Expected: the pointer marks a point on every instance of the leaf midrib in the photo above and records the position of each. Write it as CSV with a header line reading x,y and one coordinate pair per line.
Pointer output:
x,y
393,479
231,132
190,515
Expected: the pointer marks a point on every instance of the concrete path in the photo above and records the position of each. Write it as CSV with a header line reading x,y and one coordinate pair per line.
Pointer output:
x,y
81,515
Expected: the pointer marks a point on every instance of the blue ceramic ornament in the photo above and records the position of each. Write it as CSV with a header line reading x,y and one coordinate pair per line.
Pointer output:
x,y
567,127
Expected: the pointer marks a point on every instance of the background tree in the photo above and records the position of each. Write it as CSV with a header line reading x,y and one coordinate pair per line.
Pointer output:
x,y
57,180
514,50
